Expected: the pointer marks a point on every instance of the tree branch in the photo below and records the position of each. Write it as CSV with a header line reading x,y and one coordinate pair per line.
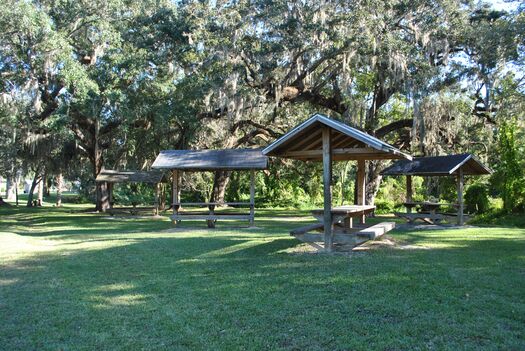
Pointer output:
x,y
394,126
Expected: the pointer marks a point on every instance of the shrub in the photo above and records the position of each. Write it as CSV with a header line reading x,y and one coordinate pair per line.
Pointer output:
x,y
509,177
384,206
476,199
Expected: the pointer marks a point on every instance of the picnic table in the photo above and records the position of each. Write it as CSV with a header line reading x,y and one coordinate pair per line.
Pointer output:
x,y
347,233
426,211
211,215
344,215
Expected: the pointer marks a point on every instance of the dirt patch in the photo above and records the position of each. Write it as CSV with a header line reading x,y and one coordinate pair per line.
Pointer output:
x,y
386,242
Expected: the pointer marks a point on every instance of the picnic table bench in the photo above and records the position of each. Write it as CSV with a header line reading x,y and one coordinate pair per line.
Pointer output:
x,y
133,210
426,211
211,215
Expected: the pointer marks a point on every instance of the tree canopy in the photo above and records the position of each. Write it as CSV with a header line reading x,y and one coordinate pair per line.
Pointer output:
x,y
94,84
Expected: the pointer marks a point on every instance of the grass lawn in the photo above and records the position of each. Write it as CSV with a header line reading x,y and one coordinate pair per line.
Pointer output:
x,y
78,281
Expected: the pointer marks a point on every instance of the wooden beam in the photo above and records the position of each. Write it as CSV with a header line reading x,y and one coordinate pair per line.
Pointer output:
x,y
361,171
110,194
307,142
307,228
206,204
427,217
157,199
376,230
355,157
209,217
327,188
409,192
175,191
460,196
352,153
339,140
319,152
252,197
211,213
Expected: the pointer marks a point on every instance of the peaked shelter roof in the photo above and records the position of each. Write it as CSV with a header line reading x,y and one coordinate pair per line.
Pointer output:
x,y
210,160
438,166
304,142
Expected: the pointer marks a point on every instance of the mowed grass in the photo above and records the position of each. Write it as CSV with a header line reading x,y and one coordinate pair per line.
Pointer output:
x,y
81,281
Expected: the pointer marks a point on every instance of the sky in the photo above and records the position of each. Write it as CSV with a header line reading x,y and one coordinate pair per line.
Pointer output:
x,y
504,5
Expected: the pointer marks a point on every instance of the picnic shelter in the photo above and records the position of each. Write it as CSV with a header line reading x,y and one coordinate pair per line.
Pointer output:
x,y
458,166
111,177
179,161
323,139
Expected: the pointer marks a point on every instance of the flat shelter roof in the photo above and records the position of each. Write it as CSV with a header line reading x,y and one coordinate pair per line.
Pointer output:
x,y
304,142
211,160
438,166
113,176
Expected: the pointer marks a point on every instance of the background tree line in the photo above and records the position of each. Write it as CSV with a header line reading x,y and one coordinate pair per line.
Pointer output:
x,y
94,84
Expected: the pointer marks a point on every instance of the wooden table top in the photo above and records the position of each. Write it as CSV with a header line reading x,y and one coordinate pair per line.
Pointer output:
x,y
347,210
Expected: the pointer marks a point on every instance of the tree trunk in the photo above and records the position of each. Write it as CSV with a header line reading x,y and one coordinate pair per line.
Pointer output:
x,y
101,188
45,185
16,193
373,180
102,197
18,178
10,188
220,182
41,191
60,183
102,194
36,179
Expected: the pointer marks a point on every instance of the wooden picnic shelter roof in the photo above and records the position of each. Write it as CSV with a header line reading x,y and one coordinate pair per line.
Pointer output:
x,y
439,166
211,160
113,176
305,142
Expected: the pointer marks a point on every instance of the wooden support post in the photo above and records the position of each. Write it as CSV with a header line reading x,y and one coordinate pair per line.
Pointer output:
x,y
361,186
348,224
252,197
460,197
157,199
162,196
179,185
409,192
175,191
211,222
327,189
110,194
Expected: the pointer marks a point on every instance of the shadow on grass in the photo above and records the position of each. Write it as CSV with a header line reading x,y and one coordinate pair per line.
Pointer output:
x,y
59,224
240,292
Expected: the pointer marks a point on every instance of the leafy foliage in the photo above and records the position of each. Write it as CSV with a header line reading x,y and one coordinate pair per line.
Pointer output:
x,y
476,199
509,177
121,80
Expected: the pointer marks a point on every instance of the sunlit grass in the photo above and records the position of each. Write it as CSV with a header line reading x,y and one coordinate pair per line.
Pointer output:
x,y
73,280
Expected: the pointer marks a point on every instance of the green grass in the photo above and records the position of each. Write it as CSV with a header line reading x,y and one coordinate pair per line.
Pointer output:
x,y
72,280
